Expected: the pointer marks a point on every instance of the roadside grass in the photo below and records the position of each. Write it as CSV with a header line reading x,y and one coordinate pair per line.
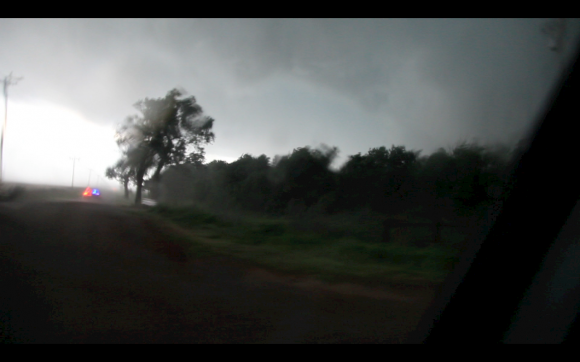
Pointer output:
x,y
323,252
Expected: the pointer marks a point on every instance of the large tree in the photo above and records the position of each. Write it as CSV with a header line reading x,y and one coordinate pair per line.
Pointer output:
x,y
123,173
169,131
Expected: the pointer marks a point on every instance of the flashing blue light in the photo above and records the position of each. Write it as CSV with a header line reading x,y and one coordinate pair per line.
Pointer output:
x,y
96,192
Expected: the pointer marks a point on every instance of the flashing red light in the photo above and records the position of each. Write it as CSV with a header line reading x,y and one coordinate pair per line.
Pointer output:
x,y
87,192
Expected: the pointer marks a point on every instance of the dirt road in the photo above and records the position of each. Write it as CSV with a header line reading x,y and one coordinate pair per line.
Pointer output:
x,y
92,273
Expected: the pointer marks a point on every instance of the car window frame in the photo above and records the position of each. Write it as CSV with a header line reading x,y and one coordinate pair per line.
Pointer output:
x,y
480,299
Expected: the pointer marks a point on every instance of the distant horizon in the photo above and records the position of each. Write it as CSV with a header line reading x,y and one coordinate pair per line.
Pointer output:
x,y
333,166
39,185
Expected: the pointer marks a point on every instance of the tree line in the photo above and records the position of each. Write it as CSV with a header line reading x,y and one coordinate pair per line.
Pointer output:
x,y
167,140
387,181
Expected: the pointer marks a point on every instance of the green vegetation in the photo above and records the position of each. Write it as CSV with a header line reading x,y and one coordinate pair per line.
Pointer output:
x,y
277,243
450,187
388,214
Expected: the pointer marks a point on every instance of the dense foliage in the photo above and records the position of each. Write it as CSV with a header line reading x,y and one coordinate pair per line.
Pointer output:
x,y
394,181
374,189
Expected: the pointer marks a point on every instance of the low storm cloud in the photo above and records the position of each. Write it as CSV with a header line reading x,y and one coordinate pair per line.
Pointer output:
x,y
276,84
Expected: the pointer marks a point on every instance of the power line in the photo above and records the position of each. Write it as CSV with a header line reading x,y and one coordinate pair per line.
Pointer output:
x,y
74,159
90,172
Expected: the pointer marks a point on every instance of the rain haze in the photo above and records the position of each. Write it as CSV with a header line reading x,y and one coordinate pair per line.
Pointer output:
x,y
270,85
284,180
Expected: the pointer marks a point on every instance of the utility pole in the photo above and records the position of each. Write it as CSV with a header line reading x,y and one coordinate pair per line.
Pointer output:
x,y
74,159
9,80
90,171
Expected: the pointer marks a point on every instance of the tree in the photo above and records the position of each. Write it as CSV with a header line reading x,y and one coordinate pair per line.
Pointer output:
x,y
381,180
247,182
463,179
302,177
169,131
122,173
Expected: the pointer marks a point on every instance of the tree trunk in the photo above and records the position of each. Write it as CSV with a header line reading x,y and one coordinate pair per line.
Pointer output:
x,y
139,179
156,180
138,194
126,187
157,175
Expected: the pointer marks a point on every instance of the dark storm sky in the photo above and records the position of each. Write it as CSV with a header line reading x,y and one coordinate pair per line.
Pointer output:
x,y
273,85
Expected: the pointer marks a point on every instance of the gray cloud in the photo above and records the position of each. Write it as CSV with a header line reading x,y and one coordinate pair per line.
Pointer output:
x,y
276,84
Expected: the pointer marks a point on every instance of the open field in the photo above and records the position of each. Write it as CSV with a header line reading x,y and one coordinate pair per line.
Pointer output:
x,y
331,249
278,244
95,272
